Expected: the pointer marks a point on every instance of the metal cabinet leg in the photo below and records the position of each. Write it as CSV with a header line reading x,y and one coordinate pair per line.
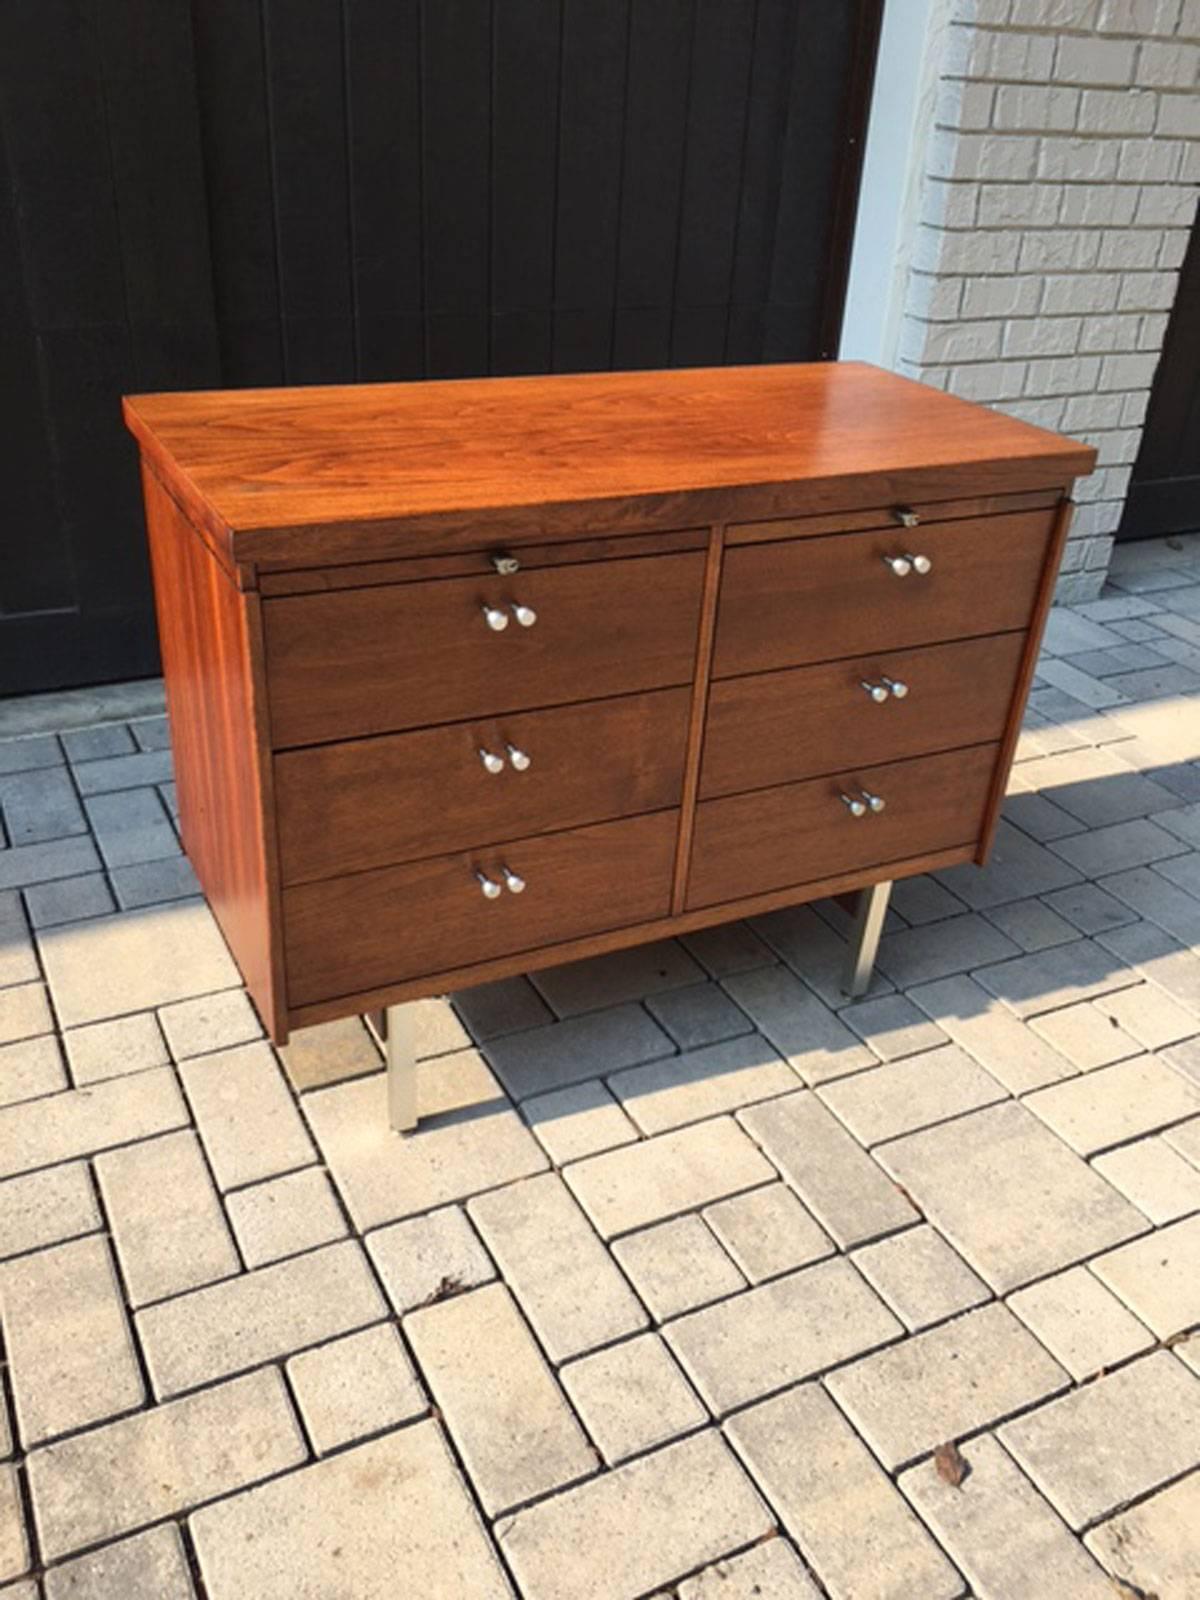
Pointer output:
x,y
395,1032
864,942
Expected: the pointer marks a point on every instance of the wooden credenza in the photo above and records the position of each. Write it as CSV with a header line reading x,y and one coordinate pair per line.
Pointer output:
x,y
470,678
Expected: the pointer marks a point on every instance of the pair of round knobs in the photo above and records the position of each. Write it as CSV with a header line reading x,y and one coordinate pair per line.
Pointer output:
x,y
497,619
493,763
903,565
491,890
885,689
862,803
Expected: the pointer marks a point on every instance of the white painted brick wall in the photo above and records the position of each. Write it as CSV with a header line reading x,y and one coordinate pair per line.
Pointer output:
x,y
1058,192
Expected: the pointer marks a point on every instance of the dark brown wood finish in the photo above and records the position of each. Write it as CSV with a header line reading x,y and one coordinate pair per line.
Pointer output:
x,y
382,927
699,710
348,807
410,655
799,601
751,843
223,775
777,727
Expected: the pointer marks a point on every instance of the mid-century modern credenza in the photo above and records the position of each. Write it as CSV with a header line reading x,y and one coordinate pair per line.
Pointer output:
x,y
469,678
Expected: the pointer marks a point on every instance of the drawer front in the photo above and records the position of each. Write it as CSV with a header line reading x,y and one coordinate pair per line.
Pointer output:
x,y
349,807
411,655
347,935
750,843
807,600
777,727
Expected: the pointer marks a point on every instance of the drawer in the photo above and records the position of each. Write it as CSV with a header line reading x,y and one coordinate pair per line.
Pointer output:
x,y
799,832
348,807
776,727
347,935
803,600
378,660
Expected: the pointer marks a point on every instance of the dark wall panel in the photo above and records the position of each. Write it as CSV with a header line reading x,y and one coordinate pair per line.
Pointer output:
x,y
201,193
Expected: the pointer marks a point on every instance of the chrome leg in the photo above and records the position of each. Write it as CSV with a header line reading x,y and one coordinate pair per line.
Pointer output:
x,y
394,1030
864,941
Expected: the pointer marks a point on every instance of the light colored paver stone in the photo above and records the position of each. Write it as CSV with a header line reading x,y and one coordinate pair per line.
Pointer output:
x,y
893,1027
1148,891
941,949
30,1068
93,744
1090,908
149,1566
1009,1195
1155,1177
156,1463
24,864
780,1332
1082,1324
770,1571
1159,1277
1161,959
249,1126
990,1033
1017,867
258,1316
25,753
24,1012
388,1513
470,1139
632,1397
68,1341
147,883
436,1028
1155,1547
1101,1446
45,1208
1118,847
508,1005
18,962
111,1049
14,1546
945,1383
701,1015
850,1196
850,1524
643,1525
562,1276
905,1095
1031,924
799,1024
166,1220
922,1279
515,1432
213,1022
285,1215
607,980
733,947
677,1266
429,1256
1054,978
768,1232
133,961
130,827
105,775
329,1053
355,1386
1000,1531
577,1121
1116,1103
811,948
702,1083
924,899
547,1058
658,1178
1086,1036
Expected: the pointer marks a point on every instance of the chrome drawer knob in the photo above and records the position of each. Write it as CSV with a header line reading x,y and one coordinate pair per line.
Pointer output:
x,y
525,615
513,883
496,619
491,889
900,565
491,761
856,808
921,564
875,802
521,762
877,691
898,690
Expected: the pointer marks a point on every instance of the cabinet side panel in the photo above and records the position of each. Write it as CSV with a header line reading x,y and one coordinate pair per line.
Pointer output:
x,y
208,636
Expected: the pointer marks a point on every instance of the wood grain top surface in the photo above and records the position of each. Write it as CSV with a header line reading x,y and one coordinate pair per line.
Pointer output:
x,y
259,459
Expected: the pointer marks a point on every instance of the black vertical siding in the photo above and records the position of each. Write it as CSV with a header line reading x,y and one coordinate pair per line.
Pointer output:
x,y
196,193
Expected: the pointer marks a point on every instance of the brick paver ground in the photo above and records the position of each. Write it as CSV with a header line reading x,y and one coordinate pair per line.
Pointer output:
x,y
693,1265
